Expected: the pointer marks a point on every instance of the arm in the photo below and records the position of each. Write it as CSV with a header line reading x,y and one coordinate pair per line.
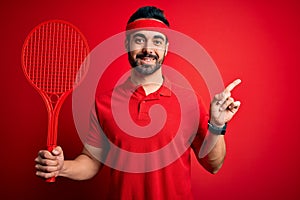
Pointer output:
x,y
85,166
213,160
223,108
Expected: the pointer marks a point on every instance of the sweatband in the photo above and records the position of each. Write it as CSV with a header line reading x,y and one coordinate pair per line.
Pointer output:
x,y
147,24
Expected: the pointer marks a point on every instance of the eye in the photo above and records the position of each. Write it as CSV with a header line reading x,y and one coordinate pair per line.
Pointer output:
x,y
157,42
139,40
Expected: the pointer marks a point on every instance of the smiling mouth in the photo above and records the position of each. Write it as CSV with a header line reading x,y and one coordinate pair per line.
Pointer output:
x,y
147,58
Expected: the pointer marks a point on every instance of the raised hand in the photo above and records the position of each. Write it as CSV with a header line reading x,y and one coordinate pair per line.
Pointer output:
x,y
223,107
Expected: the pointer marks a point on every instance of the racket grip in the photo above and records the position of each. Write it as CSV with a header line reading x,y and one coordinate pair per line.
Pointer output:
x,y
52,179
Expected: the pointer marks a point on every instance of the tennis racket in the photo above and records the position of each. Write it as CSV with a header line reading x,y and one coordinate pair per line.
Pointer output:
x,y
54,60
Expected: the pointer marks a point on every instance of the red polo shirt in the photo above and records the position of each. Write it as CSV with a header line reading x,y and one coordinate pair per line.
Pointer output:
x,y
180,125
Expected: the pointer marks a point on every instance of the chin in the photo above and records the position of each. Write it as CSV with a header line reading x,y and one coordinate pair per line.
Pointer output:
x,y
147,69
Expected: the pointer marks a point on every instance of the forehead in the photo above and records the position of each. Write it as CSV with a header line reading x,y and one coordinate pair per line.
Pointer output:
x,y
148,34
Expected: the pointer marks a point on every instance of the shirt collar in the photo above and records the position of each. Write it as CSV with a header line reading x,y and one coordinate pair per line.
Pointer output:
x,y
164,90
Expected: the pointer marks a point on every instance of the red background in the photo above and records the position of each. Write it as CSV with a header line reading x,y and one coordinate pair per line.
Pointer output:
x,y
256,41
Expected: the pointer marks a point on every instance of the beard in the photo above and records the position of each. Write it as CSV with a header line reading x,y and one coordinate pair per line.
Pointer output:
x,y
145,69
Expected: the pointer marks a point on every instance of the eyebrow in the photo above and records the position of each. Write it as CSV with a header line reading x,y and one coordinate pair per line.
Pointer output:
x,y
159,37
139,35
143,36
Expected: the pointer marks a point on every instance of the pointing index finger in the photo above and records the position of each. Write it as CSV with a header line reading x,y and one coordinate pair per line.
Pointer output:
x,y
232,85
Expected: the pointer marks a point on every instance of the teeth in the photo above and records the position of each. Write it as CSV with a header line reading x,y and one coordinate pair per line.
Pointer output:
x,y
147,59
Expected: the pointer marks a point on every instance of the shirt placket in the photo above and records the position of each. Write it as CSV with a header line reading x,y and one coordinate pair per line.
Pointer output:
x,y
143,110
144,105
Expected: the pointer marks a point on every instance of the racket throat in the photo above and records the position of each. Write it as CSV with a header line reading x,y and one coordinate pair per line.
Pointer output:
x,y
52,130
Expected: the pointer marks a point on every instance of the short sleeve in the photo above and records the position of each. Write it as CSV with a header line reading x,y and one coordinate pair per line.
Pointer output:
x,y
96,136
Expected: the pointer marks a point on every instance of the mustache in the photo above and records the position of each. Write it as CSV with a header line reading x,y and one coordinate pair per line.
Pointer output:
x,y
143,55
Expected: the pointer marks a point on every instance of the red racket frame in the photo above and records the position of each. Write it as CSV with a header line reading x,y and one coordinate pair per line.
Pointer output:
x,y
54,83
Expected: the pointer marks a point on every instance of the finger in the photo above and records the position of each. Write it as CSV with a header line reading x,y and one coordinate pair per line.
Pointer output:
x,y
234,106
49,162
219,99
46,174
42,168
57,151
226,104
222,97
232,85
46,154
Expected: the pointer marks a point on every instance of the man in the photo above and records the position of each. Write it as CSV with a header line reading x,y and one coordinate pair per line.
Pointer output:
x,y
146,88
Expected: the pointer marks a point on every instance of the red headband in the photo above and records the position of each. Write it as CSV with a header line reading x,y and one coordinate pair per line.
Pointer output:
x,y
149,24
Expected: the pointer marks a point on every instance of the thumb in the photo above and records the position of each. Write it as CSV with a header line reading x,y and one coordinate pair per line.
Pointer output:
x,y
57,151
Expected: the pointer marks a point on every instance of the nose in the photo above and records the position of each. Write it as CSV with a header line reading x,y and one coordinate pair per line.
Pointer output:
x,y
148,48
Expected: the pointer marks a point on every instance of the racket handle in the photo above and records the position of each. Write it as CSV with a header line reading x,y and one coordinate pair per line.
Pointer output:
x,y
52,179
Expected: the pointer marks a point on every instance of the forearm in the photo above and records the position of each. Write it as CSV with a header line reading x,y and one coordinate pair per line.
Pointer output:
x,y
213,149
82,168
213,161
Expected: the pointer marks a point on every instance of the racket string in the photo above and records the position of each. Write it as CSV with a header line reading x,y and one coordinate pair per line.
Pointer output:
x,y
55,57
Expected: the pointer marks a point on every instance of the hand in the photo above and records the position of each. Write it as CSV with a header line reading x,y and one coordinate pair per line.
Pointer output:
x,y
223,107
49,164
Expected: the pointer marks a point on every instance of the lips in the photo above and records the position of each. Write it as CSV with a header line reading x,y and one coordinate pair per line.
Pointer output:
x,y
147,57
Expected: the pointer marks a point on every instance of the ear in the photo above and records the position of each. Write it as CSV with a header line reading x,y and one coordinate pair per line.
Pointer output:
x,y
167,47
126,43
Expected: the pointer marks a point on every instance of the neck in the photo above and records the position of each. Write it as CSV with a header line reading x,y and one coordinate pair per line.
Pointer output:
x,y
151,83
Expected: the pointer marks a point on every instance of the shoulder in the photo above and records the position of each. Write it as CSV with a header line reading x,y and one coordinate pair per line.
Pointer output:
x,y
105,96
184,91
187,95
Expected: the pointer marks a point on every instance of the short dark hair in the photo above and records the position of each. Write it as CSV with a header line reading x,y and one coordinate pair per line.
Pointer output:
x,y
149,12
